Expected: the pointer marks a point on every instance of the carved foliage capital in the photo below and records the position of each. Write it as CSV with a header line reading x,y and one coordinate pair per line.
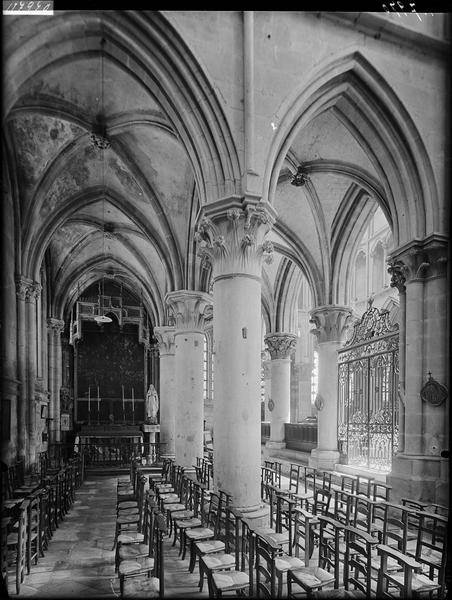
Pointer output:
x,y
331,323
27,289
281,345
419,261
165,339
56,325
230,236
188,308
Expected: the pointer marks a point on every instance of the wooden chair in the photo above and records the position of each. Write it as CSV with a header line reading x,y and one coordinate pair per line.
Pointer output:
x,y
222,530
149,584
407,581
33,531
431,547
136,544
265,552
311,579
332,545
307,486
360,548
16,542
130,519
184,521
239,579
206,532
306,524
212,562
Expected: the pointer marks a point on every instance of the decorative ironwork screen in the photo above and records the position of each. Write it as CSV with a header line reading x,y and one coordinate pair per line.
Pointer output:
x,y
368,412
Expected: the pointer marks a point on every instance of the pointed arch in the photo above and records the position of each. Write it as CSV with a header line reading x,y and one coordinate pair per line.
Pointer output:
x,y
146,45
371,110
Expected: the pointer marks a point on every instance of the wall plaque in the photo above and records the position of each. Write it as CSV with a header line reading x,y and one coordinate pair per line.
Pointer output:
x,y
434,392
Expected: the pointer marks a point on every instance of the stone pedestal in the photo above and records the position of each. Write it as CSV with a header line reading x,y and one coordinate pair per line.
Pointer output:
x,y
165,338
330,327
230,235
280,347
188,307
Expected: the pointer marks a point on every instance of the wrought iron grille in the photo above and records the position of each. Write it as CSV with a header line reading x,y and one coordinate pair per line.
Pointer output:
x,y
368,375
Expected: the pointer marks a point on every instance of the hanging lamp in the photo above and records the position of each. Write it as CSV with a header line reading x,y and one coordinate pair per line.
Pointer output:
x,y
100,140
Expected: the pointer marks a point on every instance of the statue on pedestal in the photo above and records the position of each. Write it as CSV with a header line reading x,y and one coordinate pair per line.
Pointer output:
x,y
151,405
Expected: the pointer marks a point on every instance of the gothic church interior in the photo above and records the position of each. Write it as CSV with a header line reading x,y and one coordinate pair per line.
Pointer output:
x,y
246,210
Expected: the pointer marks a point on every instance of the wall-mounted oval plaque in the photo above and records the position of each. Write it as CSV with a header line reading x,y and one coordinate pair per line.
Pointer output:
x,y
433,392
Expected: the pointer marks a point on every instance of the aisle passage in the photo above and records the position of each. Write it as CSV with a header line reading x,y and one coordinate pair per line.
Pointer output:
x,y
79,562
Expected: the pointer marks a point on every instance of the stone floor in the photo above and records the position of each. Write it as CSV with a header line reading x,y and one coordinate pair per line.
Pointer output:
x,y
79,562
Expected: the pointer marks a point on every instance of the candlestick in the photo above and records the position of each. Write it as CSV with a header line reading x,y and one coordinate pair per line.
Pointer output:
x,y
98,400
89,400
133,401
123,404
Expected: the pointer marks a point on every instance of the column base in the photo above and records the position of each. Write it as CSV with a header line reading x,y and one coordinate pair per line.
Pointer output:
x,y
419,477
323,459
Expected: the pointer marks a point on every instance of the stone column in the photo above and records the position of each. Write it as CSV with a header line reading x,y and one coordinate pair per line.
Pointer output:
x,y
419,272
208,401
266,366
31,296
280,346
55,327
230,235
188,308
22,286
330,327
165,338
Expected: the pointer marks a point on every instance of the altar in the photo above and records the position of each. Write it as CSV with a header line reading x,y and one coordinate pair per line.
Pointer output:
x,y
110,445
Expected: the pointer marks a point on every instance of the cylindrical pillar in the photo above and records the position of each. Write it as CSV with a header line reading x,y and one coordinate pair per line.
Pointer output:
x,y
280,346
31,302
22,285
188,309
165,338
55,327
230,236
58,379
330,326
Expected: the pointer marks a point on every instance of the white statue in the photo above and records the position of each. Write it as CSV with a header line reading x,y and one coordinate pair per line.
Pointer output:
x,y
151,405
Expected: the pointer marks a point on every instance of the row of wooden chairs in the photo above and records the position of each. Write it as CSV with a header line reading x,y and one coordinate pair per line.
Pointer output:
x,y
30,519
415,532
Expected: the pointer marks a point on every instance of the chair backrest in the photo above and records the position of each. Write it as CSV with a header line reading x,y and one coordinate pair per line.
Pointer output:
x,y
431,545
380,491
294,478
213,516
159,530
265,553
322,501
330,537
359,551
363,513
343,506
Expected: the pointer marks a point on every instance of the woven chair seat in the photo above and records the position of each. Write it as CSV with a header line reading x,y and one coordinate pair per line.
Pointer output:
x,y
141,587
283,564
129,518
127,504
199,533
419,583
130,538
230,580
131,551
129,567
210,546
186,523
218,561
312,577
